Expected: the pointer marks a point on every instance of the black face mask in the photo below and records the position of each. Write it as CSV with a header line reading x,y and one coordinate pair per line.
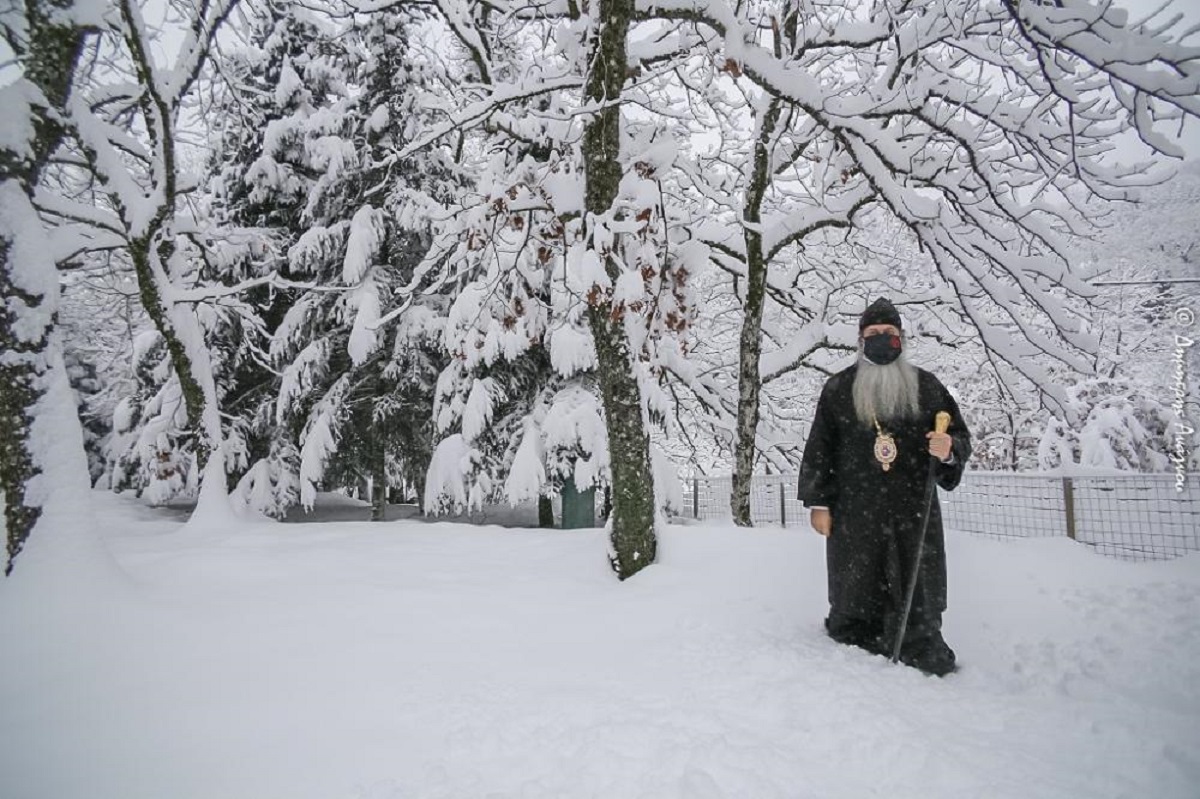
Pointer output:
x,y
881,348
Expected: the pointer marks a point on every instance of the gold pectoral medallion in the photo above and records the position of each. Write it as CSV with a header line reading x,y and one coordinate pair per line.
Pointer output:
x,y
885,450
885,447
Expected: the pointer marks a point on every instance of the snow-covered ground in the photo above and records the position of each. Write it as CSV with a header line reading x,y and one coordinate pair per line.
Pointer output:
x,y
407,659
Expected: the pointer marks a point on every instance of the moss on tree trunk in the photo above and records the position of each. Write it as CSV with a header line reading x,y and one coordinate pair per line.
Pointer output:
x,y
19,372
634,545
633,541
48,59
193,394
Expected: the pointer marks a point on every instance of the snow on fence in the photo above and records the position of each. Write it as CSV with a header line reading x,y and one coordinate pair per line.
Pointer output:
x,y
1134,516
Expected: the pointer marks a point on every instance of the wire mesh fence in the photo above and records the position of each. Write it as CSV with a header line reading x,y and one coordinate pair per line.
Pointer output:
x,y
772,498
1138,519
1134,516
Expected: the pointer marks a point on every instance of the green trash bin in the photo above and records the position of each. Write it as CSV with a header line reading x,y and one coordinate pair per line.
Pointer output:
x,y
578,507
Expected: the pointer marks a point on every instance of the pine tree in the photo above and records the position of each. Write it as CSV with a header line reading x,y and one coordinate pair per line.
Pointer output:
x,y
292,70
352,326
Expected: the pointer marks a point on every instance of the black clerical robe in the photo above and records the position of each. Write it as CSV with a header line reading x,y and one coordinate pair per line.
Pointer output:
x,y
877,514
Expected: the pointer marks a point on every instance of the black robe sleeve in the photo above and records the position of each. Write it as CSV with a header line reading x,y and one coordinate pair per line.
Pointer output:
x,y
817,485
949,474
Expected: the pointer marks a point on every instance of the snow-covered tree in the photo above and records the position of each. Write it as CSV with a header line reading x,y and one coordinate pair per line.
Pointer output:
x,y
980,127
48,38
351,323
288,66
517,406
1142,263
572,246
101,317
124,121
477,251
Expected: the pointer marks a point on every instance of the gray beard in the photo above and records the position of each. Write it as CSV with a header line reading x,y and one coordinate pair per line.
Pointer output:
x,y
885,392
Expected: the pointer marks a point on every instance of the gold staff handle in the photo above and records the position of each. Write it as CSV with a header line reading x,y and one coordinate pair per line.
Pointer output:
x,y
941,422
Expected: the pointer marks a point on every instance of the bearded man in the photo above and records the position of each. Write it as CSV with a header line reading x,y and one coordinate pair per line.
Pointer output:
x,y
864,475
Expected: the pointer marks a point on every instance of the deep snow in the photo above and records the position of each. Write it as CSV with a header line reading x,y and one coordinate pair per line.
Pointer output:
x,y
408,659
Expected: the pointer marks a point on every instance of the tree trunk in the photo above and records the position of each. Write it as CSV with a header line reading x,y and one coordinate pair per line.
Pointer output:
x,y
151,296
545,507
1012,453
20,371
633,541
379,484
48,60
151,247
749,387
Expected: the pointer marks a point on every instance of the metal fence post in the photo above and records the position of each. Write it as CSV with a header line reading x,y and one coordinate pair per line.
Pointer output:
x,y
695,498
782,507
1069,505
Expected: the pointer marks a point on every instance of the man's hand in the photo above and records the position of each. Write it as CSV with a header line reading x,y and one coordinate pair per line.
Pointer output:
x,y
821,520
939,445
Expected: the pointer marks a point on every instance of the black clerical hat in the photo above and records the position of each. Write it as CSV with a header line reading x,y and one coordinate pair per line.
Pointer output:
x,y
880,312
